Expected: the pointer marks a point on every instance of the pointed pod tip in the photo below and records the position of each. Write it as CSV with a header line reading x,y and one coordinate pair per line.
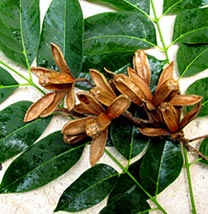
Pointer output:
x,y
92,70
27,119
53,45
29,116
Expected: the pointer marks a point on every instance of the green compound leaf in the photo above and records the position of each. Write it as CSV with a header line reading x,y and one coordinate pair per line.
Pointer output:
x,y
89,189
126,196
111,61
40,164
200,87
6,80
173,6
113,32
191,27
204,150
128,5
192,59
161,165
20,28
62,25
15,135
110,40
126,138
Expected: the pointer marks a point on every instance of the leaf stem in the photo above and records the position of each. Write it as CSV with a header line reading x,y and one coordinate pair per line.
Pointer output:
x,y
14,86
13,70
195,161
23,43
29,81
156,21
188,173
125,170
171,7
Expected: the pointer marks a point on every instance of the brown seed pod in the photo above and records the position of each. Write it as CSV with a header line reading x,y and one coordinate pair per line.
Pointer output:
x,y
185,100
170,116
37,108
127,87
166,91
143,85
141,66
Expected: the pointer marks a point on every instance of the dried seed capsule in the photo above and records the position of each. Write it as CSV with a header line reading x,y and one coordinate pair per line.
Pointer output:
x,y
37,108
93,128
185,100
170,116
102,96
59,59
118,106
97,147
101,82
141,65
90,103
127,87
143,85
190,116
166,74
75,127
166,91
154,132
72,139
57,99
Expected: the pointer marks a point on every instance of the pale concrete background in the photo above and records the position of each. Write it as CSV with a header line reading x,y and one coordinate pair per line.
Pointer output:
x,y
174,198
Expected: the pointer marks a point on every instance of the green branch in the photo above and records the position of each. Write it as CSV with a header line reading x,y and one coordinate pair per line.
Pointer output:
x,y
188,173
125,170
156,21
29,81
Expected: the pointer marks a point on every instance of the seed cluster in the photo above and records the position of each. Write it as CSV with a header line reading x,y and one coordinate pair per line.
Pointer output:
x,y
109,99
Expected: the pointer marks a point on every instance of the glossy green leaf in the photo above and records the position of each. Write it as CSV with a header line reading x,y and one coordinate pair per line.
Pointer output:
x,y
62,25
89,189
161,165
200,87
40,164
126,138
191,59
113,32
111,61
156,67
20,26
191,27
173,6
115,61
126,196
118,63
6,80
128,5
204,149
15,135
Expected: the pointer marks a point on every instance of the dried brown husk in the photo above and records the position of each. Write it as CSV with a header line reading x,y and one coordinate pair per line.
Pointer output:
x,y
170,116
97,147
141,66
127,87
35,110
